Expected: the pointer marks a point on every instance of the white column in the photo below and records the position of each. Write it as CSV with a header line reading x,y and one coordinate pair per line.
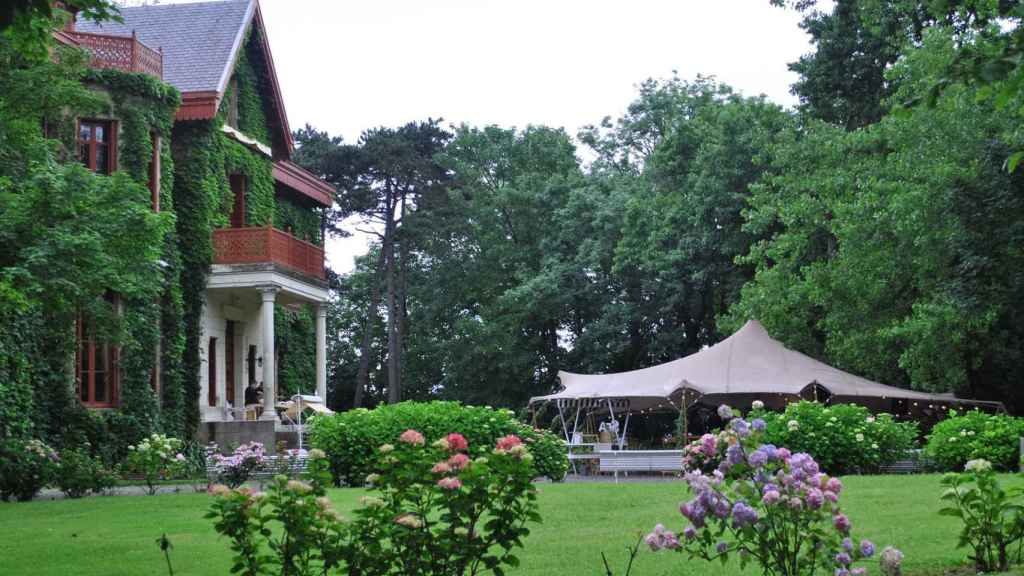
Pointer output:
x,y
321,351
267,327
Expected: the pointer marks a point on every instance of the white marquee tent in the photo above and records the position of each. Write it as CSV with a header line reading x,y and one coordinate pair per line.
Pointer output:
x,y
750,364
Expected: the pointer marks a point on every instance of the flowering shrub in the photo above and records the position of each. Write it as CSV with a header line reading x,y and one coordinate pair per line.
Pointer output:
x,y
351,438
25,468
434,511
236,468
156,458
78,473
842,438
974,435
992,517
763,504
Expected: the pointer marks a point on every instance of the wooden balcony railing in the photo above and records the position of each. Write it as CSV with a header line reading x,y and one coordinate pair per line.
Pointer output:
x,y
121,52
270,245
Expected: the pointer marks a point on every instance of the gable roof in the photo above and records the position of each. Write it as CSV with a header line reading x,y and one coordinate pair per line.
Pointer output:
x,y
199,41
200,44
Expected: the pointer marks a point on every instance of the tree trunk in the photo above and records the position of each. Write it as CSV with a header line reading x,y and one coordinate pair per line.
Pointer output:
x,y
402,310
394,334
363,376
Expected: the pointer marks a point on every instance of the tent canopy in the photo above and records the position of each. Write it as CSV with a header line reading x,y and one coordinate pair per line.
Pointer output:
x,y
750,362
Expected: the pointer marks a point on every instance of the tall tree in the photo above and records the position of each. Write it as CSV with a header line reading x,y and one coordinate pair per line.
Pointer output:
x,y
380,180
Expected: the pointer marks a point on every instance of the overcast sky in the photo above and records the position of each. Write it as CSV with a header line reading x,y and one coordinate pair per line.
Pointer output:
x,y
345,66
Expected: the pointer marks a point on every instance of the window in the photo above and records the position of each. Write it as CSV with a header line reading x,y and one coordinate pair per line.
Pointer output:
x,y
238,210
211,380
96,145
96,364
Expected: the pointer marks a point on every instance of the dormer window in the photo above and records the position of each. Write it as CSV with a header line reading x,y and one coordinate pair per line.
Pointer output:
x,y
96,145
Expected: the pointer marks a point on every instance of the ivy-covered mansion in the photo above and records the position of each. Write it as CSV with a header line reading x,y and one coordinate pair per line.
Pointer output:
x,y
195,113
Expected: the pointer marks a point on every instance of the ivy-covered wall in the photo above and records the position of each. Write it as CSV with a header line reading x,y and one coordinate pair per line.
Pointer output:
x,y
301,219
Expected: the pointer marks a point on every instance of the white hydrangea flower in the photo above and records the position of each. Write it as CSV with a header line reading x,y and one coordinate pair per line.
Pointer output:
x,y
793,425
978,465
860,437
757,405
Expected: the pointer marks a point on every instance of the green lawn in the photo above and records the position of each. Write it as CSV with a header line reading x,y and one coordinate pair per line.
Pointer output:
x,y
113,536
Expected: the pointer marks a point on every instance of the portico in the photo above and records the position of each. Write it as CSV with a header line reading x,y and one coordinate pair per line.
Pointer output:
x,y
239,341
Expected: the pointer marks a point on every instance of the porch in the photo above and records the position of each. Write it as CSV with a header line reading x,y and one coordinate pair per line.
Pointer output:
x,y
256,271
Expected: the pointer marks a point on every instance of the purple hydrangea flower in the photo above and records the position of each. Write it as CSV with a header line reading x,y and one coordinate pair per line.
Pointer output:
x,y
831,496
722,547
690,533
758,424
740,426
842,571
815,499
770,497
743,515
757,458
834,485
734,455
867,548
848,544
843,559
724,412
841,522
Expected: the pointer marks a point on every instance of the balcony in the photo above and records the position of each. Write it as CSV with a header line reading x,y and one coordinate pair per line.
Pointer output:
x,y
268,245
123,53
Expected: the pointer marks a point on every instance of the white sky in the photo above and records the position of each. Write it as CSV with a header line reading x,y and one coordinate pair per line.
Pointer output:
x,y
345,66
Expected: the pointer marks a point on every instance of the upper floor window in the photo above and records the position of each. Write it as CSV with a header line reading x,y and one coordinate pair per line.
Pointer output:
x,y
96,145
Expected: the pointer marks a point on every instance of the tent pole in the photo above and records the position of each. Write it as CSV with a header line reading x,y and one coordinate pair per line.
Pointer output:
x,y
625,428
565,429
576,421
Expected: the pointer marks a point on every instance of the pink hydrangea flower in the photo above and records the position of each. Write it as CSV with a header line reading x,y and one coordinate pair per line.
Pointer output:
x,y
457,442
412,437
458,461
450,483
441,468
507,442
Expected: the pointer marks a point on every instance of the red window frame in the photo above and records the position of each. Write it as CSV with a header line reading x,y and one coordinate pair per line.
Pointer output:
x,y
94,137
97,365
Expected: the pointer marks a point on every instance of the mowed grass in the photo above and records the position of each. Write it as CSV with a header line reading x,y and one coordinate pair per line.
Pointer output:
x,y
115,536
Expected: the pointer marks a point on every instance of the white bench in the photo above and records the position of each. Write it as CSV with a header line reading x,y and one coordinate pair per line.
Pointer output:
x,y
640,461
272,466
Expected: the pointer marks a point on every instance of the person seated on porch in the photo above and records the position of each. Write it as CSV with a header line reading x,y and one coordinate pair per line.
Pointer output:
x,y
251,395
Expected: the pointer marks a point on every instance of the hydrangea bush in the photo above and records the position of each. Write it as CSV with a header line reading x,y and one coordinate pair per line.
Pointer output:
x,y
993,522
433,510
842,438
78,474
25,468
975,435
156,458
351,438
236,468
764,504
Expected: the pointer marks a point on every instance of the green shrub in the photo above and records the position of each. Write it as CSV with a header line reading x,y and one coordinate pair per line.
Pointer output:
x,y
25,468
975,434
351,438
842,438
78,474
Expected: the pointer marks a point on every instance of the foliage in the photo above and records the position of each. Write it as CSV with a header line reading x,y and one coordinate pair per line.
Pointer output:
x,y
975,435
991,515
295,334
25,468
842,438
78,474
351,438
235,470
436,511
764,504
156,458
841,209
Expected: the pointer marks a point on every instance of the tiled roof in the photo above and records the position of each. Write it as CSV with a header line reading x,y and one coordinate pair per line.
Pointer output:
x,y
199,40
